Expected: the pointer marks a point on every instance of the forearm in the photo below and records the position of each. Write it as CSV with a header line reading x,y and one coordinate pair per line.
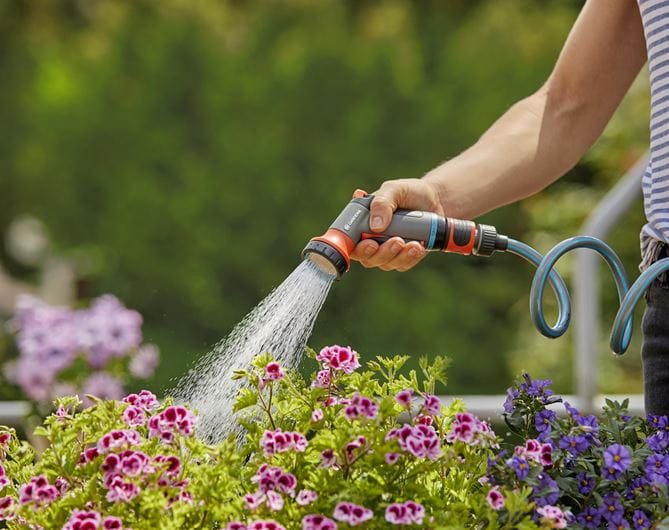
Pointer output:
x,y
533,144
543,136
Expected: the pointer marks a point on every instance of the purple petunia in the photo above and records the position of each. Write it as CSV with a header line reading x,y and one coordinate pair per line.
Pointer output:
x,y
520,465
543,421
585,483
640,520
574,444
590,517
546,491
657,468
611,508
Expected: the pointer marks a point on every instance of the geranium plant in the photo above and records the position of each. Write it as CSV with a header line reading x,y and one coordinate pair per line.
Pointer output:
x,y
64,352
370,448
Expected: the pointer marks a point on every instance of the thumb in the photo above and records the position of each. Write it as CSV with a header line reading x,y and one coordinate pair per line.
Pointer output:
x,y
384,204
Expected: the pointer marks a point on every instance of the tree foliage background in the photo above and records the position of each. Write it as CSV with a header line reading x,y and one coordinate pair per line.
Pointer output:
x,y
182,153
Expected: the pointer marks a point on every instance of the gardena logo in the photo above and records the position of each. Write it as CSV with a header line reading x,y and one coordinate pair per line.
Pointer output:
x,y
347,226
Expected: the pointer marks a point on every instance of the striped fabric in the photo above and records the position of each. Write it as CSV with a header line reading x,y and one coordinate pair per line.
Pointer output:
x,y
655,182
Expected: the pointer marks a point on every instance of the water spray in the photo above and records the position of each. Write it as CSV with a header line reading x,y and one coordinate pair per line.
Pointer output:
x,y
331,253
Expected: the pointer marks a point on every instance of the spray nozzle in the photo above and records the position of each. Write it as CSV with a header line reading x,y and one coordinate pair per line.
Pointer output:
x,y
331,252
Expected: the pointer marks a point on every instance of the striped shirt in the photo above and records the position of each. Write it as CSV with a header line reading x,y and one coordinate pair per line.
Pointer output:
x,y
655,181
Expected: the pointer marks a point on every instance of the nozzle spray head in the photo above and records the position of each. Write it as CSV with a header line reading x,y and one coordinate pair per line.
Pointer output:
x,y
331,252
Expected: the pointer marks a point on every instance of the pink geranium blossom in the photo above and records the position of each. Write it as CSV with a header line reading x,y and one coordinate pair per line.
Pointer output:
x,y
495,498
339,358
318,522
353,514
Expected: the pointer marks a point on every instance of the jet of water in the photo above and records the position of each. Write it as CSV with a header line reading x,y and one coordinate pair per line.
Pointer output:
x,y
280,325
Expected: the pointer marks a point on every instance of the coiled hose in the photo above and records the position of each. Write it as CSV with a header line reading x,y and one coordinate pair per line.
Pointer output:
x,y
621,333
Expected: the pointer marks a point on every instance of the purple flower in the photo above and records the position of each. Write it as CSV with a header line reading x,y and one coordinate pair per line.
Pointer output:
x,y
640,520
574,444
585,483
590,517
520,465
144,363
657,465
611,509
546,491
511,395
658,422
658,442
306,497
103,386
543,420
636,488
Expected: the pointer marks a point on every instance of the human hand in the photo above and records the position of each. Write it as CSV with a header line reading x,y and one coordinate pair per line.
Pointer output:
x,y
396,254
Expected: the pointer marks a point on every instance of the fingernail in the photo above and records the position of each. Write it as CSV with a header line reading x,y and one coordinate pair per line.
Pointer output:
x,y
377,222
369,251
413,253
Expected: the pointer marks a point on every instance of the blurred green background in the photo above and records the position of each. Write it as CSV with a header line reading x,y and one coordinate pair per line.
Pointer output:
x,y
180,154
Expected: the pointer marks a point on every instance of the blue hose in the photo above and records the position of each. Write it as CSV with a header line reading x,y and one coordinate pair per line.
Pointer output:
x,y
621,334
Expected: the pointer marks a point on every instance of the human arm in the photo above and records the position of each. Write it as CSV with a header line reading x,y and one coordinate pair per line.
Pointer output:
x,y
534,143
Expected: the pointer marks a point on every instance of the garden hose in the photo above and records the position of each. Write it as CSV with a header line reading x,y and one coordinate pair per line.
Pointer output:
x,y
331,252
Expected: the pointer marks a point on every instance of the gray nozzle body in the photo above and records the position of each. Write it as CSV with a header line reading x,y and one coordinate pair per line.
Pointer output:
x,y
410,225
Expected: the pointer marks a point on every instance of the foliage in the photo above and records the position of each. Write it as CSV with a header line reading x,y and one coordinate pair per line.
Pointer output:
x,y
612,470
372,448
87,351
312,456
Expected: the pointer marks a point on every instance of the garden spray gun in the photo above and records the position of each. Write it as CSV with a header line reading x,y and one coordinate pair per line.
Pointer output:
x,y
331,253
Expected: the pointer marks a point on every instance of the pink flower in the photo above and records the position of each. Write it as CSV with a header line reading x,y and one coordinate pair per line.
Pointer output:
x,y
171,421
235,525
274,501
145,399
361,406
121,491
546,455
38,491
318,522
6,508
404,397
275,479
306,497
353,514
432,405
253,501
460,432
553,515
265,525
397,514
83,520
5,437
495,498
328,458
317,415
61,485
391,458
323,379
89,454
118,439
421,441
407,513
112,523
134,416
351,448
273,371
339,358
273,442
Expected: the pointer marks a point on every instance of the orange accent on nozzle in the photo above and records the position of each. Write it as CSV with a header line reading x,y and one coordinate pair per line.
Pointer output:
x,y
465,249
340,241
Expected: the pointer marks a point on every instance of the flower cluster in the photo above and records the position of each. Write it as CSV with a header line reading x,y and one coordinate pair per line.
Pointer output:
x,y
406,513
471,430
584,471
90,520
308,460
277,441
87,351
